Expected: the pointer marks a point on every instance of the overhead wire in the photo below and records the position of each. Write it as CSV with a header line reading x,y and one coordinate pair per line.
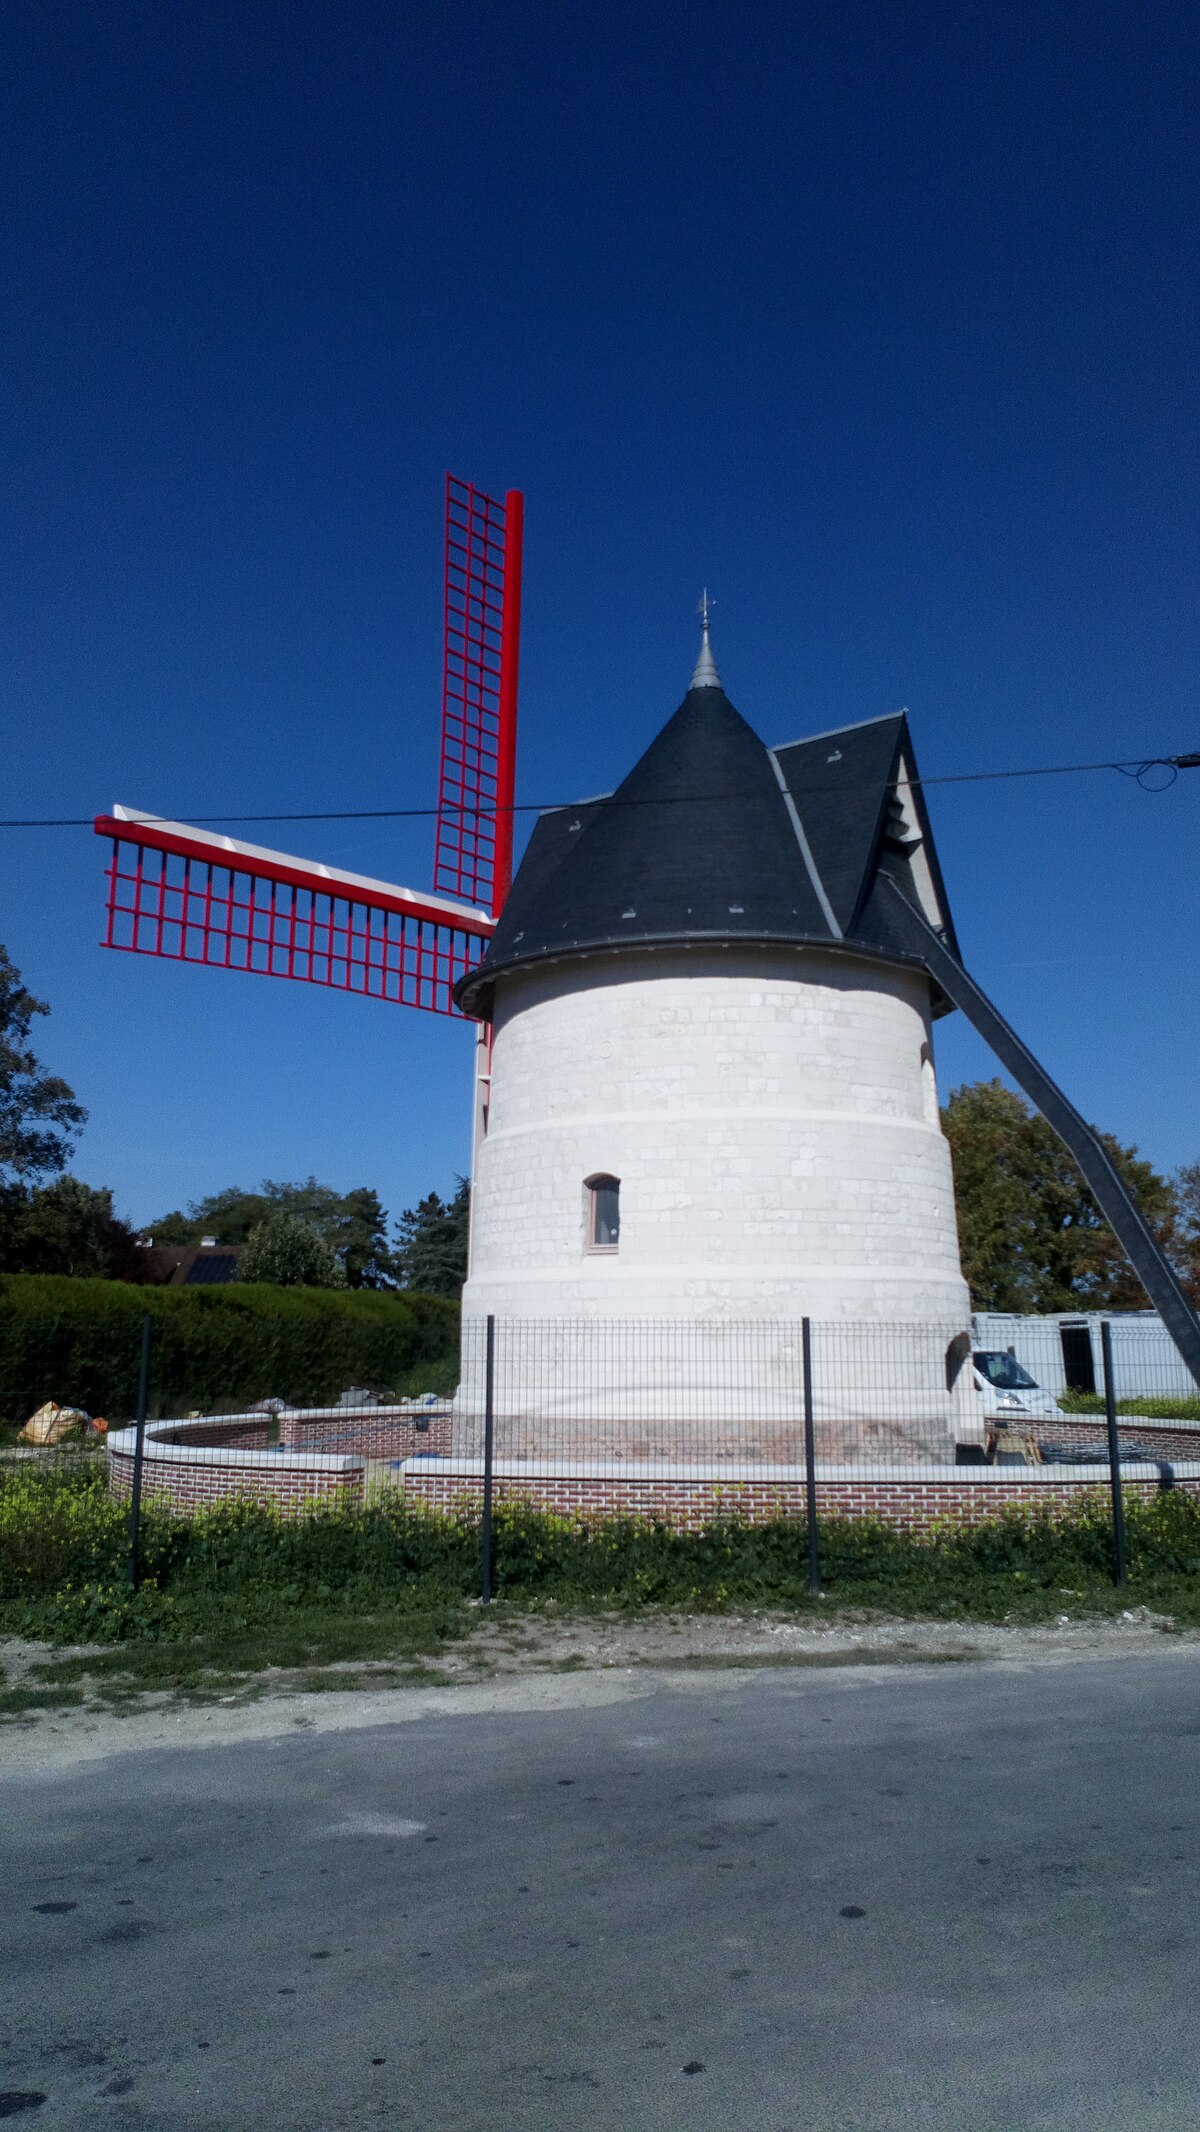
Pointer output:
x,y
1140,770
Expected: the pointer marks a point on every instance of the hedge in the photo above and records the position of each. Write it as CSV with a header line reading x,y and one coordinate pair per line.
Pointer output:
x,y
211,1348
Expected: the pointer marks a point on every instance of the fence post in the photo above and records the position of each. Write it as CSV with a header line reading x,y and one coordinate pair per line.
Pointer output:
x,y
810,1457
1114,1455
489,1424
135,1499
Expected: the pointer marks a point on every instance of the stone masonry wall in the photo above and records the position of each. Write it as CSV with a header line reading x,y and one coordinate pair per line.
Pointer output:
x,y
771,1116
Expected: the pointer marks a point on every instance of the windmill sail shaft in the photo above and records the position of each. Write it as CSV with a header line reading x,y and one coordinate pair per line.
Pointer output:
x,y
1116,1203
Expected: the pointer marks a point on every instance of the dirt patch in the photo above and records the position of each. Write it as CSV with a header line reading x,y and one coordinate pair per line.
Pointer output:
x,y
92,1708
535,1642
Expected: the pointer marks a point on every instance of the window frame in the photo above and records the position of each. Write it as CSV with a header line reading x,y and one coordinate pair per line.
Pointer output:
x,y
601,1180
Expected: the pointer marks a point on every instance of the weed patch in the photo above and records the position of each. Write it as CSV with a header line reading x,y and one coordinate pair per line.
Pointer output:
x,y
232,1589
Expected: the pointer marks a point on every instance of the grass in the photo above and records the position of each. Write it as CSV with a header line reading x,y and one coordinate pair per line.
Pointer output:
x,y
311,1636
318,1647
23,1701
1149,1408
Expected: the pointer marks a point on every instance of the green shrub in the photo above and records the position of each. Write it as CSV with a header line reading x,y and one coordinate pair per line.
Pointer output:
x,y
79,1342
64,1559
64,1562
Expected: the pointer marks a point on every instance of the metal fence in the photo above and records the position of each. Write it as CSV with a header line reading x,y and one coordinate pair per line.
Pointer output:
x,y
615,1392
685,1420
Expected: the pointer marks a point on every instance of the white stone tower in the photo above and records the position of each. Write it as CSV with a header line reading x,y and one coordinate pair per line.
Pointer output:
x,y
712,1092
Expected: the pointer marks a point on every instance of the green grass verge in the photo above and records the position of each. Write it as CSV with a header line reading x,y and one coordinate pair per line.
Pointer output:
x,y
315,1647
1161,1409
24,1700
236,1589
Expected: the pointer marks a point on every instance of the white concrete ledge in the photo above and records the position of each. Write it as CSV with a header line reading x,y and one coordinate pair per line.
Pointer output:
x,y
1126,1423
406,1410
728,1475
122,1443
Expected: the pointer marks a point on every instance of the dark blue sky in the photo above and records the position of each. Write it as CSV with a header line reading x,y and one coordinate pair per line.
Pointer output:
x,y
880,321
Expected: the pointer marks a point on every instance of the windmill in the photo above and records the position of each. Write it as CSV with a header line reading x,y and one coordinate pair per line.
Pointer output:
x,y
724,893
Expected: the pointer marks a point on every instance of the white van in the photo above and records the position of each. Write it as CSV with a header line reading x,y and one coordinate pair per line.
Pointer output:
x,y
1007,1392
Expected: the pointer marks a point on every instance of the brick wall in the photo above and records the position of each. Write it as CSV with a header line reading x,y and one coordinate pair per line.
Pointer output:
x,y
217,1435
379,1432
189,1465
915,1503
1170,1440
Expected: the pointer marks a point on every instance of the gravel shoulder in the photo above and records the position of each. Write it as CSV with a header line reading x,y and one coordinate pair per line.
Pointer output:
x,y
522,1662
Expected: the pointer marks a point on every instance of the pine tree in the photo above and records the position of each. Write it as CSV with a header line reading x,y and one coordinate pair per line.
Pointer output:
x,y
430,1251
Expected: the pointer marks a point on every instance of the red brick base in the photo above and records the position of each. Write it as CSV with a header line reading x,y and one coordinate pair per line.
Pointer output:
x,y
189,1465
1170,1440
916,1504
384,1433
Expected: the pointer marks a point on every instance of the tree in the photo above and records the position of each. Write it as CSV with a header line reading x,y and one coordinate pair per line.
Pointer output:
x,y
362,1240
1187,1196
430,1252
171,1229
286,1252
1031,1235
68,1227
353,1224
38,1112
229,1216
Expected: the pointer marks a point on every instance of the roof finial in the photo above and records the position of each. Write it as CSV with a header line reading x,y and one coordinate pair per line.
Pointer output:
x,y
706,675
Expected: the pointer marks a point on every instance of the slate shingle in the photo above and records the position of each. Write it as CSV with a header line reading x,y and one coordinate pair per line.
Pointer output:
x,y
697,843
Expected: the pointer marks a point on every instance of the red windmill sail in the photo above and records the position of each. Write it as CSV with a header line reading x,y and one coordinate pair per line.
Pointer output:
x,y
473,851
190,895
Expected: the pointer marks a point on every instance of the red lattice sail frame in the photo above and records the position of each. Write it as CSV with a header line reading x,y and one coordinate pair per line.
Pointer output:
x,y
474,840
193,897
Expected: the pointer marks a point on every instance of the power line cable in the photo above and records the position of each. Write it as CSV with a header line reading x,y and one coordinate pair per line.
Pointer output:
x,y
1140,770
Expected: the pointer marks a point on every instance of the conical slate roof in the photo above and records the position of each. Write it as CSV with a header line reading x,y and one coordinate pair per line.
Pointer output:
x,y
713,837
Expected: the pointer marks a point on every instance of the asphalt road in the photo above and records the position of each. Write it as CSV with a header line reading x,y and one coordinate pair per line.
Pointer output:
x,y
844,1901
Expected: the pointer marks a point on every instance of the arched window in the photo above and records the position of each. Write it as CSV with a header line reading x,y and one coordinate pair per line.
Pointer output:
x,y
603,1212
